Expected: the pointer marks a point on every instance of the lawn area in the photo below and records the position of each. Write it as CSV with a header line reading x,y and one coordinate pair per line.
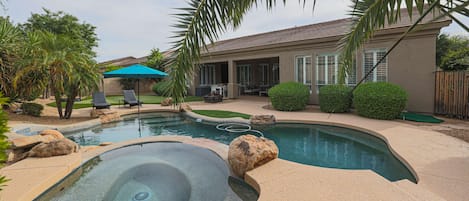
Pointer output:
x,y
114,100
221,114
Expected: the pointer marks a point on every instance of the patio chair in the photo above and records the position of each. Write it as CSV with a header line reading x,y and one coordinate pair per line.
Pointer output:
x,y
99,101
130,99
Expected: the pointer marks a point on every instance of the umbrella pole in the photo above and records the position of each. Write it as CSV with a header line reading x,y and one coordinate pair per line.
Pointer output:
x,y
138,106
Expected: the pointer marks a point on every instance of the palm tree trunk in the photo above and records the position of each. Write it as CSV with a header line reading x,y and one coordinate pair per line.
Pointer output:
x,y
70,102
58,102
58,99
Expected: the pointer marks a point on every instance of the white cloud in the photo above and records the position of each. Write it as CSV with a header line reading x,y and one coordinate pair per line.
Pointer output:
x,y
132,28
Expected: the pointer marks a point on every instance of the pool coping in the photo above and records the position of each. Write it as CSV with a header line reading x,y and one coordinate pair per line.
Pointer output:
x,y
252,176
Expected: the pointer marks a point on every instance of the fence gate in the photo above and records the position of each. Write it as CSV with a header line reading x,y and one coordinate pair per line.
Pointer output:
x,y
452,94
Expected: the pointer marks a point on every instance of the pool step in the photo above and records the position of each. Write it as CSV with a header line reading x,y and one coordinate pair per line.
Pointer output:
x,y
161,120
165,124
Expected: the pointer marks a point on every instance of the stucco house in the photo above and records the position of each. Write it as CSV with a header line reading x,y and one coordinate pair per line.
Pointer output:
x,y
308,54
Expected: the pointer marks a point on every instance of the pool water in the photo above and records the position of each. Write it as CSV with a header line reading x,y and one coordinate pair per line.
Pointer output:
x,y
161,171
319,145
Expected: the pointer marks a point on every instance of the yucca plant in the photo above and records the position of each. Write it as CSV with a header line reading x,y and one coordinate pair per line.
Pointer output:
x,y
203,21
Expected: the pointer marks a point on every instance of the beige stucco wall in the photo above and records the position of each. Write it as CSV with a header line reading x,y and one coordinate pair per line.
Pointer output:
x,y
411,65
112,86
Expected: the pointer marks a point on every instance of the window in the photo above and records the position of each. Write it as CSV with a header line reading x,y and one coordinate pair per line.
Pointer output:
x,y
327,71
207,74
380,73
275,71
265,73
244,74
351,78
303,70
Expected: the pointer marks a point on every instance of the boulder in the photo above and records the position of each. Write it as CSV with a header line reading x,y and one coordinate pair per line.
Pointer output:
x,y
110,117
53,133
247,152
30,141
185,107
263,119
15,108
58,147
167,102
95,113
15,155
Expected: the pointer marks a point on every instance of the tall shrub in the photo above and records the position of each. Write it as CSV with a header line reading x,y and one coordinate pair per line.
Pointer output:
x,y
32,109
335,98
379,100
289,96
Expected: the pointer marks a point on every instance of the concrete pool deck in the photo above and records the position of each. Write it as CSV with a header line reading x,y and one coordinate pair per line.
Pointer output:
x,y
440,162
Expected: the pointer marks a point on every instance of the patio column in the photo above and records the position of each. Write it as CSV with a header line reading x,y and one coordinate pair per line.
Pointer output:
x,y
232,86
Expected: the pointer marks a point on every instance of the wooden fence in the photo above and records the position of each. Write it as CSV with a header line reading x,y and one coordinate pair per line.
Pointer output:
x,y
452,94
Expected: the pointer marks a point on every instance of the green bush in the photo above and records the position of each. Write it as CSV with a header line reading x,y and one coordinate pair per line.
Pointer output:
x,y
160,88
335,98
456,60
32,109
380,100
3,140
289,96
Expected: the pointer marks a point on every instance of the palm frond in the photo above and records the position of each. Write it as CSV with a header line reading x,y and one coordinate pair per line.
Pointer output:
x,y
370,15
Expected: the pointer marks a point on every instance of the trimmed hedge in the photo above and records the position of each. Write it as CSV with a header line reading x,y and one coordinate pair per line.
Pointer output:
x,y
32,109
160,88
379,100
335,98
289,96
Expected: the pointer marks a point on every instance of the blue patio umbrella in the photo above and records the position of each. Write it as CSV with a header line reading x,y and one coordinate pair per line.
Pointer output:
x,y
136,71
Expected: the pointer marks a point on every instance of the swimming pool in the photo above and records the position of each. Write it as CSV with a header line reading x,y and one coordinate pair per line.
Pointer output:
x,y
319,145
153,172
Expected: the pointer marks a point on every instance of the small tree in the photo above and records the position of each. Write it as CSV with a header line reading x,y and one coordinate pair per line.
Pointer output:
x,y
456,60
155,60
452,52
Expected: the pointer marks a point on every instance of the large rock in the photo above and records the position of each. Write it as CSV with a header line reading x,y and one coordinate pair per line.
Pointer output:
x,y
58,147
54,133
185,107
15,155
110,118
30,141
167,102
263,119
248,152
95,113
106,115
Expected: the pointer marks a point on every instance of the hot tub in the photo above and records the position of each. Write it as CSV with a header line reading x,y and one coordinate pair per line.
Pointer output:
x,y
152,172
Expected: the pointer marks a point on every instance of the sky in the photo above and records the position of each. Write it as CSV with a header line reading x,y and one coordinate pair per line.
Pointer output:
x,y
134,27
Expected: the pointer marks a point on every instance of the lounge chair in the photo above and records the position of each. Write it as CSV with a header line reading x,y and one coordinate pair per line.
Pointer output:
x,y
99,101
130,99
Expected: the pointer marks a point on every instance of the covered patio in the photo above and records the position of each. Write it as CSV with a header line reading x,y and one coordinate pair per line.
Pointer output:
x,y
236,78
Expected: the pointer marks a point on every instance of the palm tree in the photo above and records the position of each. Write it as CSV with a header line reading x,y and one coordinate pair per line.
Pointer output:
x,y
84,80
65,63
204,20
